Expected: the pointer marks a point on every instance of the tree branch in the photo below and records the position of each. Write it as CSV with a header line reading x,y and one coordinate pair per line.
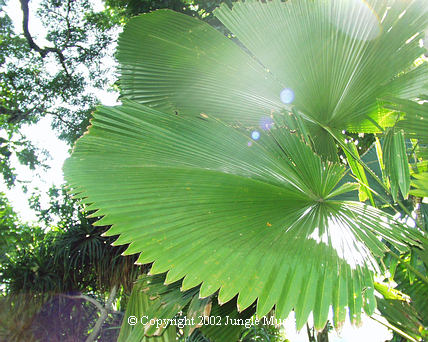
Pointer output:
x,y
14,115
59,117
42,51
311,333
87,298
104,310
103,316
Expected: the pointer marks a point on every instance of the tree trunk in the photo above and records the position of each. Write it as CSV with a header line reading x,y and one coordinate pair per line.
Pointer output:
x,y
103,316
322,336
311,333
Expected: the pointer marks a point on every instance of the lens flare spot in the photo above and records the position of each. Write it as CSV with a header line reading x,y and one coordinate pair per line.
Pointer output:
x,y
266,123
249,144
255,135
286,96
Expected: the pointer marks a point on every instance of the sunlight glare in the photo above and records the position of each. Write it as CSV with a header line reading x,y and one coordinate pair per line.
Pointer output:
x,y
355,18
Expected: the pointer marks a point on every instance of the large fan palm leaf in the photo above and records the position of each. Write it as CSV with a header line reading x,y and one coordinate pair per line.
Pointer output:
x,y
202,201
256,216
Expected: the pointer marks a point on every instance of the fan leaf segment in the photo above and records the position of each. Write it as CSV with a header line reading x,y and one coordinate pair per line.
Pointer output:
x,y
253,219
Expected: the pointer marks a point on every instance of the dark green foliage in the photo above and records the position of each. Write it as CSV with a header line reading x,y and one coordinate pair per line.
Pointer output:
x,y
72,256
15,236
130,8
202,9
49,276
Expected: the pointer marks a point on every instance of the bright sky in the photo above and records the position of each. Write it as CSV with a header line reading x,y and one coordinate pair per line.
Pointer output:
x,y
370,331
44,137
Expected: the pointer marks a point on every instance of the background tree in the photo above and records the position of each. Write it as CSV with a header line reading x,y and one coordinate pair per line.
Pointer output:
x,y
66,273
58,80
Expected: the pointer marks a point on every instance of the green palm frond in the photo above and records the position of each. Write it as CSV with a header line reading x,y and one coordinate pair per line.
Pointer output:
x,y
184,177
201,199
412,119
228,322
166,301
399,312
336,58
396,162
197,336
140,305
181,65
420,185
185,309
